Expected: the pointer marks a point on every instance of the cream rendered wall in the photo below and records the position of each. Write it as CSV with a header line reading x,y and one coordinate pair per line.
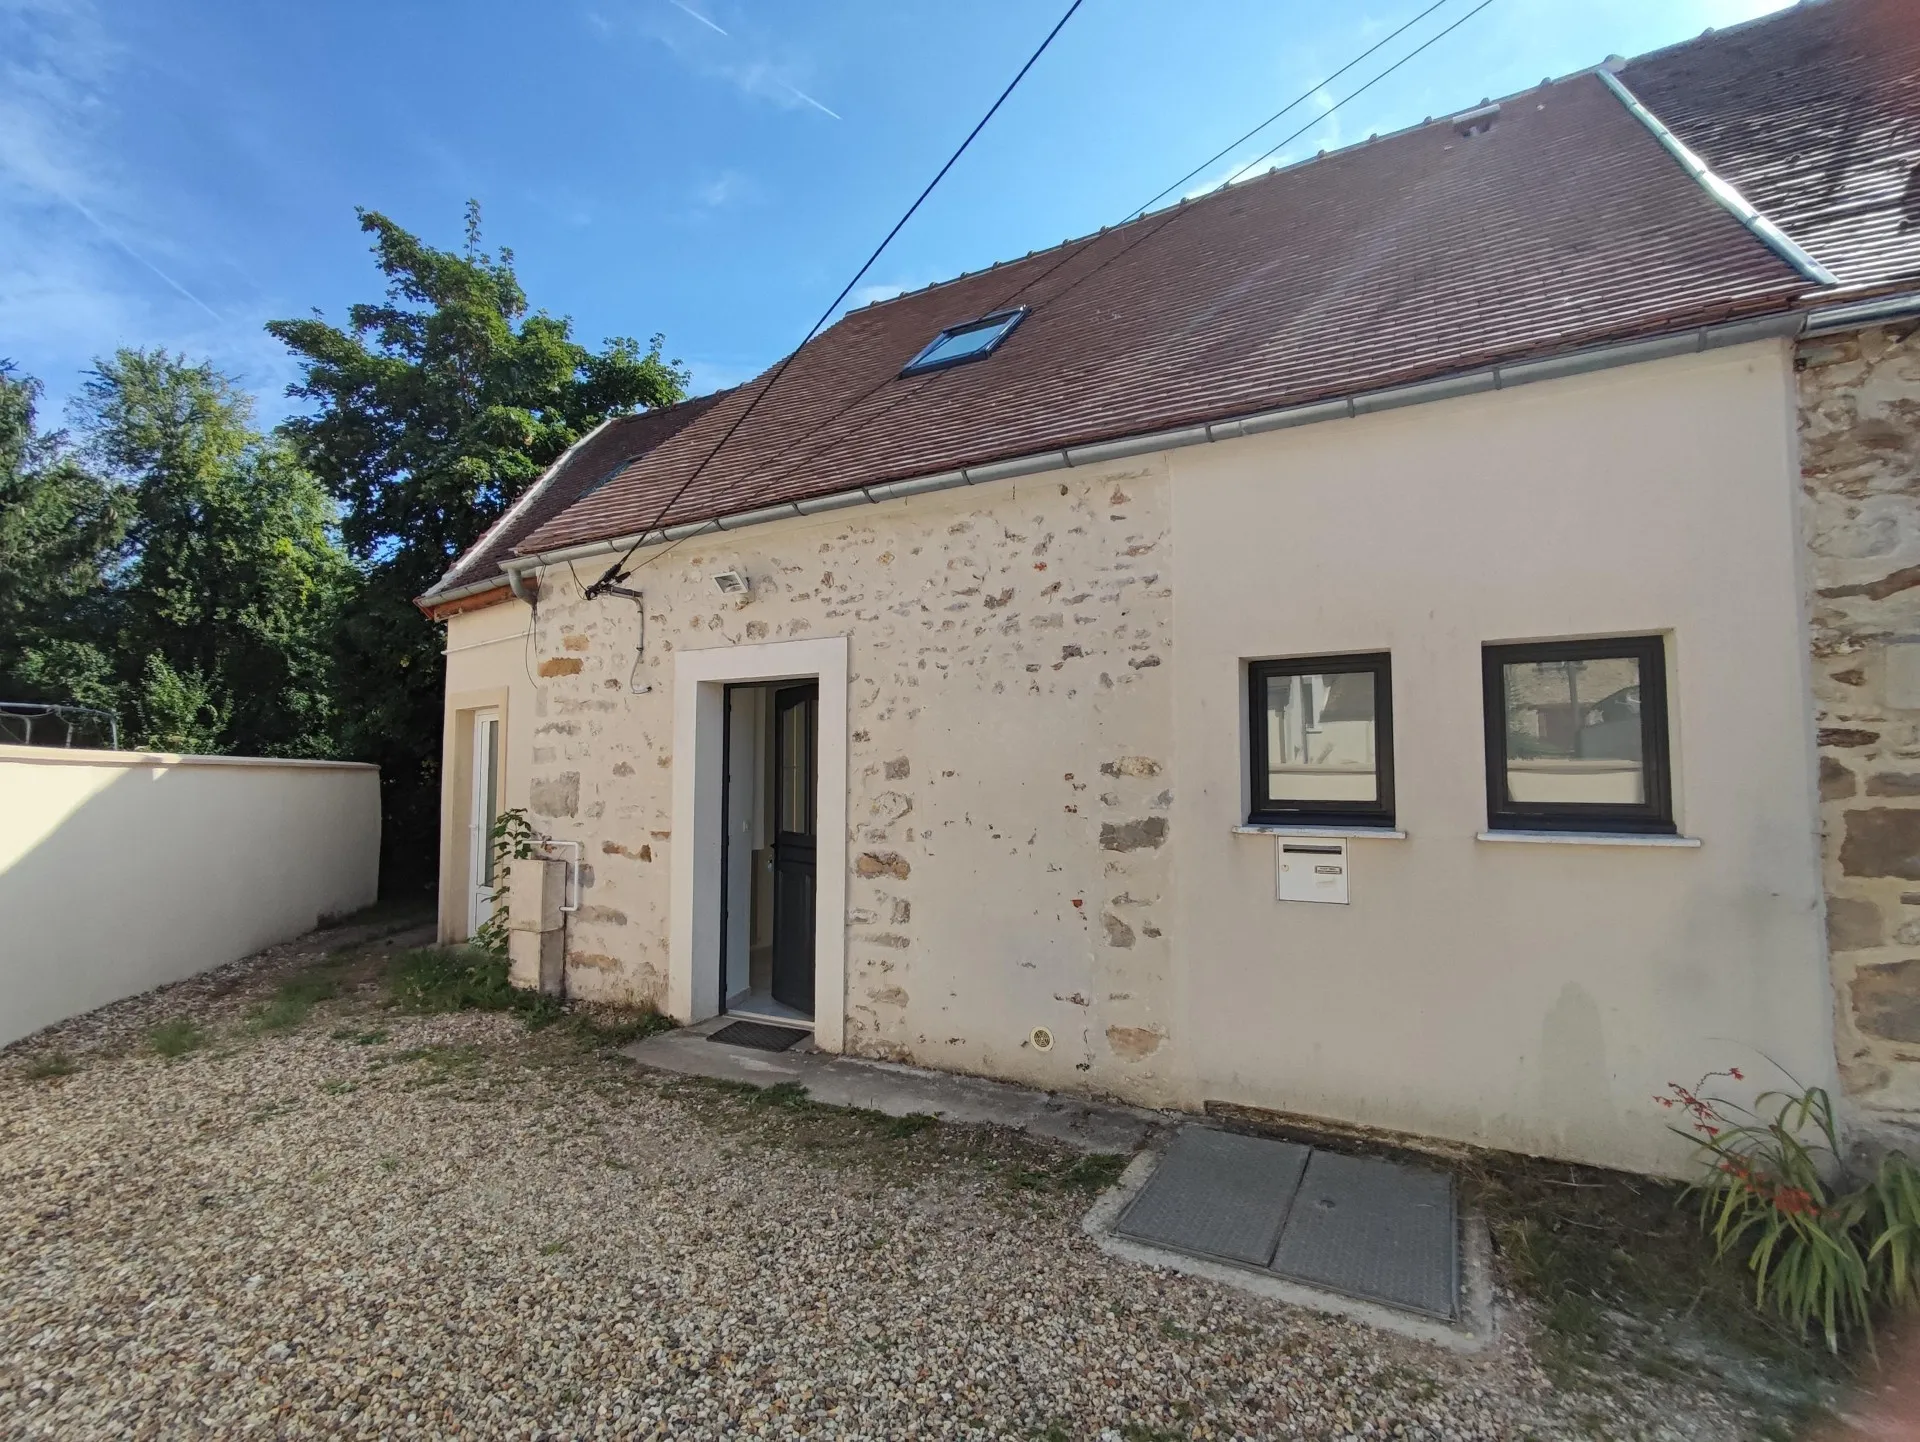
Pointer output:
x,y
1009,725
1524,996
488,665
121,871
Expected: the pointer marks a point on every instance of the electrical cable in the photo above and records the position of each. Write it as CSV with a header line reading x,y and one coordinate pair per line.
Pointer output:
x,y
1173,214
1305,96
614,573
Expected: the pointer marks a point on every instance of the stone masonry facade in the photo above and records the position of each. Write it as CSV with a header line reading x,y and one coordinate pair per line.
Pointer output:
x,y
1010,811
1860,465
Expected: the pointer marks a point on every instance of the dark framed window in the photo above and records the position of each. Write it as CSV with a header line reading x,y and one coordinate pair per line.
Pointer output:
x,y
1577,736
961,343
1322,741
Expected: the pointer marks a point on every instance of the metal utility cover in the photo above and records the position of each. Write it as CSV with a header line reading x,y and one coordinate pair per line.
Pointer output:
x,y
1377,1230
1218,1194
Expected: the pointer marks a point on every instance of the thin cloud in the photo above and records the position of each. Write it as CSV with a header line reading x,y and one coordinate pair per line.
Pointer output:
x,y
689,10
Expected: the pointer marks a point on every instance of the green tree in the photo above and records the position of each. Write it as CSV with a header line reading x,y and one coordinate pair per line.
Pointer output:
x,y
432,411
62,529
219,620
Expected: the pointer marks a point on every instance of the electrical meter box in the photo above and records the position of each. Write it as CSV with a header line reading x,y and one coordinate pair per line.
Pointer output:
x,y
1312,870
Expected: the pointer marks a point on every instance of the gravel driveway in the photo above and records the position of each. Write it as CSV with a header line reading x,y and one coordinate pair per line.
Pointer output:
x,y
378,1224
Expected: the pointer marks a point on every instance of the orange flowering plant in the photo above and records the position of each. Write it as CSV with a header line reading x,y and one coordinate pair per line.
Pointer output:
x,y
1822,1247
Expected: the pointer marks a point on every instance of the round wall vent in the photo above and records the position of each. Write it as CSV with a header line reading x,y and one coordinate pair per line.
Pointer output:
x,y
1041,1038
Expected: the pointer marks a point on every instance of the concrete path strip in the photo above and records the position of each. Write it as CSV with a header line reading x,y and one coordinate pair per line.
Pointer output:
x,y
899,1091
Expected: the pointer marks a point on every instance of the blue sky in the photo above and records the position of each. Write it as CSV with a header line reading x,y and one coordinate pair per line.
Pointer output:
x,y
176,173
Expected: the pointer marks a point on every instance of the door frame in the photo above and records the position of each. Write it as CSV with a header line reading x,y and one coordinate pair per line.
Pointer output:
x,y
695,931
479,841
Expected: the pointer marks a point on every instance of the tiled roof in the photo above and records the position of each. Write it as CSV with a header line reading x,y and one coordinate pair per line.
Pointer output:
x,y
1411,256
592,460
1814,114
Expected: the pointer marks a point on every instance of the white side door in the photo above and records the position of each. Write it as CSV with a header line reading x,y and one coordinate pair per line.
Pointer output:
x,y
483,810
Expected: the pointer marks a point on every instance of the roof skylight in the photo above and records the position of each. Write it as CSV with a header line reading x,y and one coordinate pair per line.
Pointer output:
x,y
960,343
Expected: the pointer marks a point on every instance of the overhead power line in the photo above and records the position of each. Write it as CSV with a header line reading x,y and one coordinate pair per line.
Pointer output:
x,y
1169,218
1288,140
1297,101
616,572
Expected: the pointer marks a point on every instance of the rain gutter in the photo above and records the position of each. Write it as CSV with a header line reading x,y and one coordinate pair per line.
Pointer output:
x,y
1777,326
1855,314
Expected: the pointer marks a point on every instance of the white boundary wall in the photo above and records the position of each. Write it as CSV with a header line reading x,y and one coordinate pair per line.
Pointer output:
x,y
121,871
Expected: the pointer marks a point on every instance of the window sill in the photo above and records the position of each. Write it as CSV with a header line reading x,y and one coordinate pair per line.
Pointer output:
x,y
1371,833
1589,838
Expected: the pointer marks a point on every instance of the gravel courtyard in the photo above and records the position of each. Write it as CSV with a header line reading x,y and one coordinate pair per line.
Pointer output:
x,y
340,1219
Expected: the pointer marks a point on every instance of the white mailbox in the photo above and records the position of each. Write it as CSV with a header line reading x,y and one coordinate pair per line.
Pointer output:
x,y
1312,869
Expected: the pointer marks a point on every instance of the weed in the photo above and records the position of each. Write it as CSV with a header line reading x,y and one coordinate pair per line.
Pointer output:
x,y
553,1249
1173,1330
1054,1431
50,1064
1618,1277
443,1063
389,1164
910,1125
1091,1175
340,1088
295,1000
451,978
177,1037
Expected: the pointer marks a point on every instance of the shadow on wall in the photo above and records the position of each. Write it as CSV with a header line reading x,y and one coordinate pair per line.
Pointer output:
x,y
120,873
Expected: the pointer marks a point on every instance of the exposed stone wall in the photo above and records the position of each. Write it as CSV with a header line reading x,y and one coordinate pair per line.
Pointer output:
x,y
1010,805
1860,460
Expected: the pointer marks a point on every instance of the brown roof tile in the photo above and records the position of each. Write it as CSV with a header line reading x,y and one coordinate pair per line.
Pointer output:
x,y
1814,114
1408,257
592,460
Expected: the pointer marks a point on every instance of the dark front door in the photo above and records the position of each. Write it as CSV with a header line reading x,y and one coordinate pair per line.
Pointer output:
x,y
795,746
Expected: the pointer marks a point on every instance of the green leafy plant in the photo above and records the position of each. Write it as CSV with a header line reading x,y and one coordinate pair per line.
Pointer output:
x,y
451,978
50,1064
177,1036
512,839
1823,1247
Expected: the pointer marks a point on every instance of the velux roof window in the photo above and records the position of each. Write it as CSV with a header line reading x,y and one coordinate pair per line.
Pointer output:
x,y
961,343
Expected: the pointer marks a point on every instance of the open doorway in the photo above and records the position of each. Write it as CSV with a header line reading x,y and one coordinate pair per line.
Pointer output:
x,y
770,800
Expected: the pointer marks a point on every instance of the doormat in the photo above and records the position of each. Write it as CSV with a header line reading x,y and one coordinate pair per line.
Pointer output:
x,y
759,1036
1384,1231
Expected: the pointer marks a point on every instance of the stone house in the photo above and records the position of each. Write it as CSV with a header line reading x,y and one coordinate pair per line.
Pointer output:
x,y
1426,638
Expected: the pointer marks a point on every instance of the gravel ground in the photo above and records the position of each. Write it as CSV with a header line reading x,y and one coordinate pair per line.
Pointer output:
x,y
378,1224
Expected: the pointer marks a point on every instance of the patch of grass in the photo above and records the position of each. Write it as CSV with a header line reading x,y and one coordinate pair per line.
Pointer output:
x,y
389,1164
898,1149
50,1064
293,1002
1621,1276
340,1088
1091,1175
465,978
358,1037
177,1037
451,978
553,1249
